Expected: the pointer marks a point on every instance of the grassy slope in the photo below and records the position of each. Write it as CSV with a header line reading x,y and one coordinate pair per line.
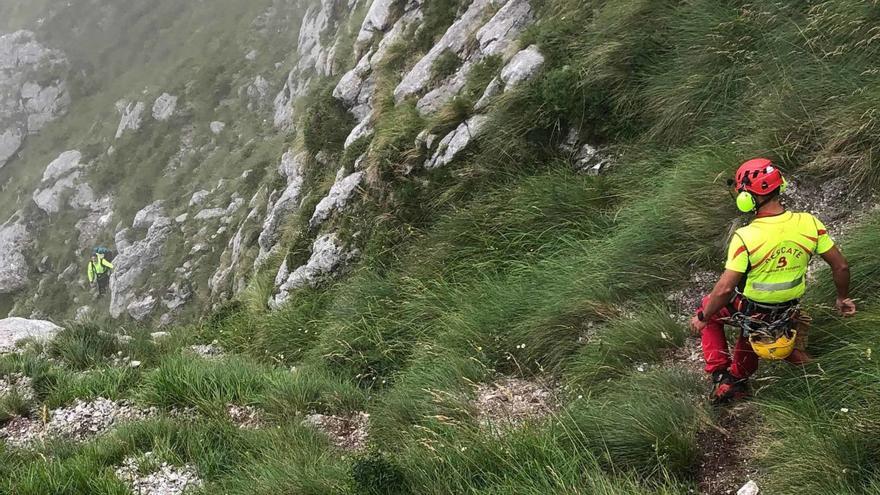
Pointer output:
x,y
507,258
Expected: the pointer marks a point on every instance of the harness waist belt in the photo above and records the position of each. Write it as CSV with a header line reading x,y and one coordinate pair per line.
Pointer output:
x,y
768,287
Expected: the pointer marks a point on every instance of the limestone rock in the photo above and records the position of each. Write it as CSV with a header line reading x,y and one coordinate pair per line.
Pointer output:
x,y
132,116
336,199
14,242
495,38
10,142
210,214
63,165
198,197
750,488
64,171
141,308
455,40
257,93
133,262
498,36
292,166
148,215
378,19
26,106
456,141
363,129
217,127
164,106
14,329
329,255
522,67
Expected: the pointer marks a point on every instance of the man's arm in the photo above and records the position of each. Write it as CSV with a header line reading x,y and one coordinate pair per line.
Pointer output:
x,y
90,273
107,264
718,298
840,273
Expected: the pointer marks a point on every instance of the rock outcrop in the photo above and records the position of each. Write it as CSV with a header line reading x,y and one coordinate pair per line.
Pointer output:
x,y
315,57
14,329
137,258
338,197
456,141
14,242
329,256
131,116
291,167
164,106
62,180
33,91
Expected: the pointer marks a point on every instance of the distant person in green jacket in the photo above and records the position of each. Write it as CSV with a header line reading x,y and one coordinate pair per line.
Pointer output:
x,y
99,272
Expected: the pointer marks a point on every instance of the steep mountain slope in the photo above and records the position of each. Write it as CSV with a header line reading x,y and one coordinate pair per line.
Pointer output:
x,y
436,247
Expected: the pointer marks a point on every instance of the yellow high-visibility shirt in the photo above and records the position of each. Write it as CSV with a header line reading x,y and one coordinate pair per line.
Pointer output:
x,y
774,253
98,268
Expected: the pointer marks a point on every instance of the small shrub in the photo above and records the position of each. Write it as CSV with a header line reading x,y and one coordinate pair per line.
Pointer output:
x,y
374,474
444,66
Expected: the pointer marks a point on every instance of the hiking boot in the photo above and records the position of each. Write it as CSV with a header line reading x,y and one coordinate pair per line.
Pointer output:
x,y
728,388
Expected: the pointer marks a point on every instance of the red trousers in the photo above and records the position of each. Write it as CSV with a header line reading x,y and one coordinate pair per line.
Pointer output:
x,y
744,361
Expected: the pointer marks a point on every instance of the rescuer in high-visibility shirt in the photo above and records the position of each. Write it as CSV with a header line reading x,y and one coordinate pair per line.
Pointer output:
x,y
99,270
764,277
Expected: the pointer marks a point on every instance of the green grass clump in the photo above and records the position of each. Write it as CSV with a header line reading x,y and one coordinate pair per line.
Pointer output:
x,y
186,381
82,346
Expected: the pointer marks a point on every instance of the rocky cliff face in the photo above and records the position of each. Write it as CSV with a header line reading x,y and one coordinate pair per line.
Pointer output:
x,y
199,189
33,91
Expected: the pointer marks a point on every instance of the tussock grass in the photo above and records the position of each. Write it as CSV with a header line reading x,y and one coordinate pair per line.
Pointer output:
x,y
206,384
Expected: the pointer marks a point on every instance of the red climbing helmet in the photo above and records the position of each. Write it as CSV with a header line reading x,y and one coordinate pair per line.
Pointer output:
x,y
758,176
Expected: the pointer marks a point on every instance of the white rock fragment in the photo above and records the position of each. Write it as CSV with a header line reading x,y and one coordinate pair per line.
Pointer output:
x,y
164,106
750,488
161,478
217,127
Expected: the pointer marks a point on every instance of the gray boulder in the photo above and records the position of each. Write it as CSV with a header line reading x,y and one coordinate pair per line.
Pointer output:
x,y
164,106
522,67
142,308
210,214
456,141
14,241
329,257
10,142
14,329
132,116
148,215
65,163
338,197
217,126
198,197
134,261
498,36
378,19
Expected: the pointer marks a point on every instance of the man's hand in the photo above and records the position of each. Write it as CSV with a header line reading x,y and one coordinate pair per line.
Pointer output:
x,y
697,326
846,306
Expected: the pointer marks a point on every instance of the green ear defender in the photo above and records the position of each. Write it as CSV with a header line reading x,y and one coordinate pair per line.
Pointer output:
x,y
745,202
